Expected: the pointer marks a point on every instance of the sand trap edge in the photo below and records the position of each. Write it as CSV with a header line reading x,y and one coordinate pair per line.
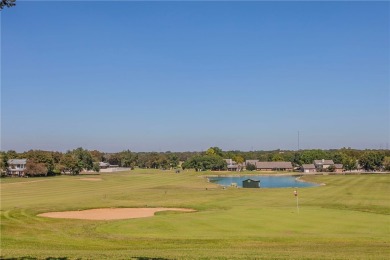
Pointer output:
x,y
110,213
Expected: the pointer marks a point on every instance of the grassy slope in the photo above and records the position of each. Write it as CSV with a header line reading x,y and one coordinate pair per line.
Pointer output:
x,y
349,218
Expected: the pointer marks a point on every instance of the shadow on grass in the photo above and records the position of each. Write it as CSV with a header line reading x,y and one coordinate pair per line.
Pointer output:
x,y
34,258
66,258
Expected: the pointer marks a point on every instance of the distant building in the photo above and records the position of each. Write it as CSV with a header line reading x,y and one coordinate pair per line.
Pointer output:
x,y
339,168
274,166
232,165
322,164
251,162
249,183
104,165
16,167
308,168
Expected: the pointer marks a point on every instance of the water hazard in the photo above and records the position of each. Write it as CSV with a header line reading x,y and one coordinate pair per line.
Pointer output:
x,y
265,181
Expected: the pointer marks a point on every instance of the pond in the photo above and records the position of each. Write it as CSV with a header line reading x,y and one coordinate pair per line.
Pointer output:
x,y
265,181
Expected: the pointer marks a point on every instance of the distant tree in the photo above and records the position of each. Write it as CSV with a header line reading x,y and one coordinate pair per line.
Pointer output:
x,y
251,167
34,168
214,151
277,157
114,159
173,160
3,163
308,156
210,151
371,160
349,163
331,168
238,159
337,157
96,167
127,159
296,159
386,163
96,156
70,164
84,158
205,162
39,156
11,154
7,3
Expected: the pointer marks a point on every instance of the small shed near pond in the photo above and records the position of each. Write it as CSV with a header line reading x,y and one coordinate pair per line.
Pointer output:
x,y
249,183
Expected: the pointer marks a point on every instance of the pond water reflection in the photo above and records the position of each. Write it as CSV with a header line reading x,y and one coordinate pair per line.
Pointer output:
x,y
265,181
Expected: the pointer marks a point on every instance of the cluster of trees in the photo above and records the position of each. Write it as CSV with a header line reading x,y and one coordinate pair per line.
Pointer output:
x,y
7,3
73,162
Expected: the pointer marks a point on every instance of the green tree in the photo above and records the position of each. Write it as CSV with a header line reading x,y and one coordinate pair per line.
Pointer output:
x,y
205,162
70,164
127,159
386,163
38,156
215,151
173,160
349,163
83,158
277,157
3,163
308,156
7,3
238,159
251,167
96,167
371,160
331,168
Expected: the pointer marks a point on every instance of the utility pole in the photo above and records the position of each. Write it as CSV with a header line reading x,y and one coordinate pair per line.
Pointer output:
x,y
298,140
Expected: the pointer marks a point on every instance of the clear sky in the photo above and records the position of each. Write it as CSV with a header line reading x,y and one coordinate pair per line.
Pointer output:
x,y
184,76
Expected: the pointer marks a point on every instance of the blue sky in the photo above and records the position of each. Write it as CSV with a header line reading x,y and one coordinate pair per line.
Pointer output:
x,y
178,76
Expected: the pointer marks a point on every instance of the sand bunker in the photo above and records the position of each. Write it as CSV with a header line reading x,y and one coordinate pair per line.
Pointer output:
x,y
110,213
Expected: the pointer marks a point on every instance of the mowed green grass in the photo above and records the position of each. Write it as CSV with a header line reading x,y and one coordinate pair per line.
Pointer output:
x,y
348,218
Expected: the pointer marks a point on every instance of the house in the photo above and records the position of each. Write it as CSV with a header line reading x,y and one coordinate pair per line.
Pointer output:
x,y
338,167
250,184
16,167
251,162
308,168
274,166
104,165
322,164
232,165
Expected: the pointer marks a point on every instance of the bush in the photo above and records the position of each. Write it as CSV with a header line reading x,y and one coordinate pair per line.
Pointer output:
x,y
251,167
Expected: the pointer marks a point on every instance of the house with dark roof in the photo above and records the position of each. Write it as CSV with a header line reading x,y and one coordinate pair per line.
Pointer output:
x,y
249,183
308,168
251,162
274,166
322,164
232,165
338,167
16,167
104,165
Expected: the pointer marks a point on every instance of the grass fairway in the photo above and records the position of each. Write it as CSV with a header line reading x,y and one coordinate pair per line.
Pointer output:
x,y
348,218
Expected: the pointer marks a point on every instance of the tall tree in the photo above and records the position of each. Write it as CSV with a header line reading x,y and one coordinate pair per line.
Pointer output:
x,y
84,158
34,168
7,3
3,163
70,164
371,160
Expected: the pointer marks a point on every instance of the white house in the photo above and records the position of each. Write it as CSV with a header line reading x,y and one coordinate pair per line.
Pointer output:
x,y
16,167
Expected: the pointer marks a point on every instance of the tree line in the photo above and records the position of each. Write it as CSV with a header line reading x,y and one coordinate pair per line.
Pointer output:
x,y
74,161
